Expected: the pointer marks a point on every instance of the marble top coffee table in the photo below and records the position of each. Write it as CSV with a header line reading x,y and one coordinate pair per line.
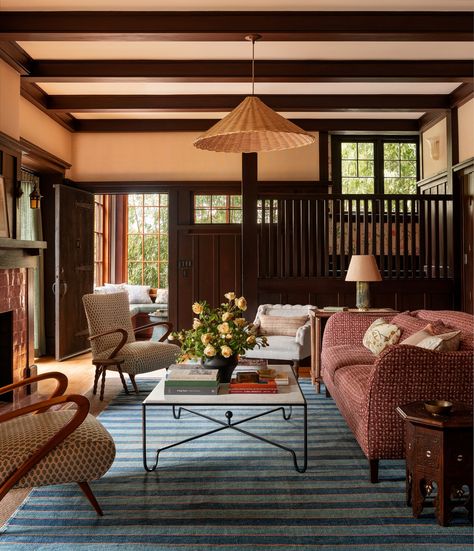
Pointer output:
x,y
288,396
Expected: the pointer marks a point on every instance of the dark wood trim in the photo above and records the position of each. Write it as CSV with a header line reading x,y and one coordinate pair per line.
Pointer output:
x,y
430,119
462,94
201,125
33,93
249,230
432,181
204,26
16,57
323,144
9,144
40,159
207,102
239,71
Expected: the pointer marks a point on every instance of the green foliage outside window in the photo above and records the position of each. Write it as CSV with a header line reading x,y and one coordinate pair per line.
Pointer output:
x,y
357,167
147,240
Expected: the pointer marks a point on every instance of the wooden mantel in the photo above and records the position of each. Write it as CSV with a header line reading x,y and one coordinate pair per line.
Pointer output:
x,y
18,253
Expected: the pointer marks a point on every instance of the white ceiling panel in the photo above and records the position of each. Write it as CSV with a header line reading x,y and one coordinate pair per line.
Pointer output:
x,y
242,50
167,88
250,5
213,115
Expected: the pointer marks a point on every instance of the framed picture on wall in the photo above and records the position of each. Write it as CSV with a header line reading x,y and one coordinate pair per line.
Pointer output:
x,y
4,230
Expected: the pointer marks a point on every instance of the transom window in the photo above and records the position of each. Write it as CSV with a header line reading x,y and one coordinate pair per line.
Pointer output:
x,y
227,209
380,164
147,239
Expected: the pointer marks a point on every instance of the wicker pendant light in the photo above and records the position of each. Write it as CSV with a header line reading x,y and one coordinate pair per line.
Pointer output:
x,y
253,127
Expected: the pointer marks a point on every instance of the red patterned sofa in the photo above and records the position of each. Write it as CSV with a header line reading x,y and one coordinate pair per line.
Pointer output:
x,y
367,388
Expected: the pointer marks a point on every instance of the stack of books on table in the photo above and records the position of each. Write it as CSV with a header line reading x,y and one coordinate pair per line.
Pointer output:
x,y
261,387
187,379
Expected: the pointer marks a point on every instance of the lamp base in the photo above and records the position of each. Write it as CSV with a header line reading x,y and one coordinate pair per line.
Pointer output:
x,y
362,295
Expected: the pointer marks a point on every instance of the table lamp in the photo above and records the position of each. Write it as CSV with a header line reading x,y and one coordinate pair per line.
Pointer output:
x,y
362,269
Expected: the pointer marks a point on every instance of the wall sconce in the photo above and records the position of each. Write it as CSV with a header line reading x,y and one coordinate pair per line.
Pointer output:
x,y
35,198
433,144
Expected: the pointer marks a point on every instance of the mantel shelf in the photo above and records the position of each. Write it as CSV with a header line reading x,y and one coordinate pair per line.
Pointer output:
x,y
7,243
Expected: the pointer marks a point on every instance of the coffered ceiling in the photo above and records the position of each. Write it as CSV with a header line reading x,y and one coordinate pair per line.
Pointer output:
x,y
142,67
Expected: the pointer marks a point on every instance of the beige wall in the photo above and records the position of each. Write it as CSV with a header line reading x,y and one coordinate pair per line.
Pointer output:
x,y
433,166
9,101
38,128
172,156
466,130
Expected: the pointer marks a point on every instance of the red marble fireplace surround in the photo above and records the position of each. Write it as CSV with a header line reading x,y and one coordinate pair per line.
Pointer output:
x,y
13,297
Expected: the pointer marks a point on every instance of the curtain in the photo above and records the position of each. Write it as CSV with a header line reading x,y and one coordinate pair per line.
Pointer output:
x,y
31,229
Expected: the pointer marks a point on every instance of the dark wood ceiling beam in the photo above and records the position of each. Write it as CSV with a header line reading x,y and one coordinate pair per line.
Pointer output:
x,y
201,125
16,57
461,95
39,99
208,102
239,71
288,26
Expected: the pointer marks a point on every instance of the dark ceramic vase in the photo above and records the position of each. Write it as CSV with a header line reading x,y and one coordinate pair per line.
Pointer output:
x,y
225,366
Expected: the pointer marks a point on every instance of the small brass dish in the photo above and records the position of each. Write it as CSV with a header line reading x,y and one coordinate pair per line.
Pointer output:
x,y
439,407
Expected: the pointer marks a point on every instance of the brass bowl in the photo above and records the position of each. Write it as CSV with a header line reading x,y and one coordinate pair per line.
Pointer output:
x,y
439,407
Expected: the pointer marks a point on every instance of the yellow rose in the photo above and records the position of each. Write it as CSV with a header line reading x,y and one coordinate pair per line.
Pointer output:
x,y
196,323
240,322
251,339
197,308
230,296
241,303
227,316
226,351
210,351
206,338
223,328
228,336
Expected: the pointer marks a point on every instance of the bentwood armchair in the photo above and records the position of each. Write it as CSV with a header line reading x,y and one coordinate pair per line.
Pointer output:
x,y
113,340
39,447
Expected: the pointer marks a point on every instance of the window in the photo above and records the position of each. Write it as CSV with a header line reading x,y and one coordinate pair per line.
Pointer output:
x,y
379,164
217,209
99,239
227,209
147,240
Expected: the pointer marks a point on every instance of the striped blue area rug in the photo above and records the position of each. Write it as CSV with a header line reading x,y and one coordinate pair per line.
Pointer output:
x,y
230,492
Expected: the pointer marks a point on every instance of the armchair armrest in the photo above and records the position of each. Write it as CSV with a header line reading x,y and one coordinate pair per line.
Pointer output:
x,y
60,389
303,334
119,346
164,336
351,326
38,454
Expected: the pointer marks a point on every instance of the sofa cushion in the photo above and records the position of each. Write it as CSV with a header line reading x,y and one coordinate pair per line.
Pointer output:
x,y
416,338
409,324
161,296
281,325
453,320
447,342
341,355
379,335
138,294
352,381
280,348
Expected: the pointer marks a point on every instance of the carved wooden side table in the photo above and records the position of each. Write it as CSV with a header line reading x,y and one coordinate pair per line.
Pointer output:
x,y
438,455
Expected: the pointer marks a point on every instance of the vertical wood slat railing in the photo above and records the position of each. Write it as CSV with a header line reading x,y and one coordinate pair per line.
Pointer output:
x,y
315,235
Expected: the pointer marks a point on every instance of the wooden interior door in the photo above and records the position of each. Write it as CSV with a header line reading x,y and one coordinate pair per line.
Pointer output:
x,y
209,265
74,268
468,244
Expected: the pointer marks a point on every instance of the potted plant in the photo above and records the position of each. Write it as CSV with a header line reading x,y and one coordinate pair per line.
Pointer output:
x,y
219,335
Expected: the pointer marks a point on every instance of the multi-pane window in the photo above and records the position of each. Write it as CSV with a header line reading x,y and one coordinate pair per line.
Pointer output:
x,y
147,240
99,239
379,164
399,167
217,209
227,209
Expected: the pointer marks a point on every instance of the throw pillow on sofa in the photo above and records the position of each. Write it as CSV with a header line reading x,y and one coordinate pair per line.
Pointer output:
x,y
161,296
448,342
379,335
281,325
410,324
138,294
416,338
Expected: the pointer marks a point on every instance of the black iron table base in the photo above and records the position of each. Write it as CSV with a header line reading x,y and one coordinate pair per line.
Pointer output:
x,y
229,424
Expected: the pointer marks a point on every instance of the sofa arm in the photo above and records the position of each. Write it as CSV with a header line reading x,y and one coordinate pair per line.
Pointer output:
x,y
350,327
303,335
404,374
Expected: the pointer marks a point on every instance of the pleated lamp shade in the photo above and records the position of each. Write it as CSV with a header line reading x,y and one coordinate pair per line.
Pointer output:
x,y
253,127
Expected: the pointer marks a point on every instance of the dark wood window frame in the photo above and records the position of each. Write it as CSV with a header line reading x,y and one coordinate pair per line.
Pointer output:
x,y
378,141
101,239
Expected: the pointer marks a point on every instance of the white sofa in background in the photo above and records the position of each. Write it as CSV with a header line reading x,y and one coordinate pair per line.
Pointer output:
x,y
142,298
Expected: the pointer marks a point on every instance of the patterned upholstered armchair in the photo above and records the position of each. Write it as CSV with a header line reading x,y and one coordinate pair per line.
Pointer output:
x,y
289,340
113,340
53,447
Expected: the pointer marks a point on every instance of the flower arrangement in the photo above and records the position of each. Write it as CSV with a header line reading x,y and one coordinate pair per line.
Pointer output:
x,y
218,332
